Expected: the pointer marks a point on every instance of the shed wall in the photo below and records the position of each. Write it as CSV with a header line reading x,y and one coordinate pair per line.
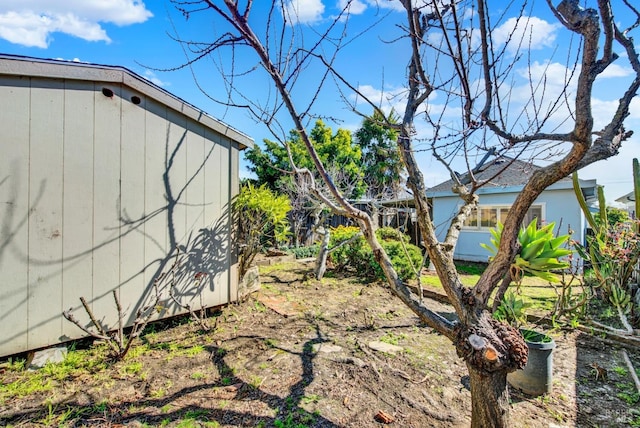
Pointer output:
x,y
99,194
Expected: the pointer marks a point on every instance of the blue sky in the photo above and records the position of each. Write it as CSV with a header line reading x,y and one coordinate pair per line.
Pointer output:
x,y
133,34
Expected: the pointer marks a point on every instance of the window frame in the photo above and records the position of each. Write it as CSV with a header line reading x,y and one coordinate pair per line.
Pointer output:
x,y
478,227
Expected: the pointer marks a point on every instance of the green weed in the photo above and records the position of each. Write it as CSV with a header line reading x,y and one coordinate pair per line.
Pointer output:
x,y
256,381
621,371
131,369
194,350
313,398
392,338
197,376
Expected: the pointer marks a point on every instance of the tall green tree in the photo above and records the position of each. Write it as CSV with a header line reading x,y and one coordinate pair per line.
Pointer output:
x,y
338,151
381,162
273,169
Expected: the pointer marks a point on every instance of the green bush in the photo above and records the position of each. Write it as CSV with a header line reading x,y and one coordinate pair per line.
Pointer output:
x,y
348,255
260,217
304,252
357,255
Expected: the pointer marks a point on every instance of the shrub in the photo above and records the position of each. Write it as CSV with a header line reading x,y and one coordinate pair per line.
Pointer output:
x,y
405,257
261,220
304,252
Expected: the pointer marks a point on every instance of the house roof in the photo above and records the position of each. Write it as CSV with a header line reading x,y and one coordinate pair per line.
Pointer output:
x,y
629,198
72,70
505,175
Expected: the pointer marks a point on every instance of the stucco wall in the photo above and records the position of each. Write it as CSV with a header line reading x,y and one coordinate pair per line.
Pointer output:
x,y
96,194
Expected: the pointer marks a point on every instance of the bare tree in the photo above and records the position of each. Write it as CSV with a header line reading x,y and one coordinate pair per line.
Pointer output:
x,y
454,52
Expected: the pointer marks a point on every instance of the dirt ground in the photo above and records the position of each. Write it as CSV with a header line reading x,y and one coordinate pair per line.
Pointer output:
x,y
299,353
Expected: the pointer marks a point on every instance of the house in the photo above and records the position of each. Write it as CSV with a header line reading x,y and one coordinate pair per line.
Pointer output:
x,y
507,176
628,203
107,183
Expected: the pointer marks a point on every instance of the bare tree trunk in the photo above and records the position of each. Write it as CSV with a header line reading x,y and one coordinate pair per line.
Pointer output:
x,y
375,214
489,398
321,261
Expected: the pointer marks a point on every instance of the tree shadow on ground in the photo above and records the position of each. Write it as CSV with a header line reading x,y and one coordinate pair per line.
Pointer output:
x,y
194,403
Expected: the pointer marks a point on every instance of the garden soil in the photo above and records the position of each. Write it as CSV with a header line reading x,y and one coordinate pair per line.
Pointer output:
x,y
303,353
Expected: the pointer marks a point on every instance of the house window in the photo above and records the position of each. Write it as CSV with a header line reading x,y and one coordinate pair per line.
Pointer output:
x,y
487,216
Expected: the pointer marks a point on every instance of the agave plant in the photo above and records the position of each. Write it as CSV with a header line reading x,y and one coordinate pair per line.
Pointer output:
x,y
539,253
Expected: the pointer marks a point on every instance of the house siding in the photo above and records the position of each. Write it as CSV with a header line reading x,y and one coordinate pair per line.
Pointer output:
x,y
559,205
96,194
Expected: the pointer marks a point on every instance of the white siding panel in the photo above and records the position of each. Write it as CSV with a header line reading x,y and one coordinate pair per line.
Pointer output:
x,y
218,196
195,284
45,221
132,212
233,183
155,202
196,160
106,203
177,173
14,212
77,236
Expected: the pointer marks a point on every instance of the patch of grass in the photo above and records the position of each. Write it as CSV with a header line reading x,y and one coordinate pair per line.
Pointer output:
x,y
28,384
197,376
16,365
627,393
620,371
392,338
470,268
51,418
158,393
194,350
74,364
137,351
188,423
101,407
259,306
256,381
389,315
263,270
534,291
131,368
312,398
196,414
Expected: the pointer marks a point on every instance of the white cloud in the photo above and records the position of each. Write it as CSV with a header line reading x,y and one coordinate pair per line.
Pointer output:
x,y
525,33
615,70
304,11
387,4
151,76
634,109
31,22
387,100
356,7
554,74
73,60
602,112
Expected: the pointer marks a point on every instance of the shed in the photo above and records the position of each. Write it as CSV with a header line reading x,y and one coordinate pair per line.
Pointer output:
x,y
107,182
506,178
